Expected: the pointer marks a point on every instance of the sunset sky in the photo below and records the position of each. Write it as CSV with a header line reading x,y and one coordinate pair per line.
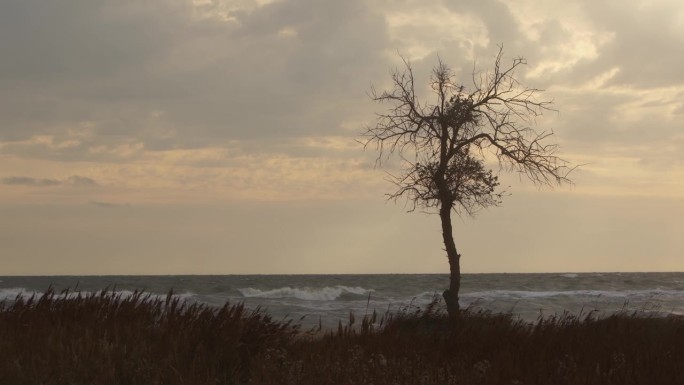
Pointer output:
x,y
219,137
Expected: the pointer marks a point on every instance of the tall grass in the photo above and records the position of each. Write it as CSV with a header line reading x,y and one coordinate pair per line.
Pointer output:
x,y
108,338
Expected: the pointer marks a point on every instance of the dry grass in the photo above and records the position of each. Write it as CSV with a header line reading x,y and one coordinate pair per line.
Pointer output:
x,y
109,339
139,339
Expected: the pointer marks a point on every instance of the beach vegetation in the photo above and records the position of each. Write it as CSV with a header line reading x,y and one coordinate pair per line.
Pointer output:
x,y
108,338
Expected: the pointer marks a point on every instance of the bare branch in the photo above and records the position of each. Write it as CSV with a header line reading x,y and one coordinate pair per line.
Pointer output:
x,y
443,146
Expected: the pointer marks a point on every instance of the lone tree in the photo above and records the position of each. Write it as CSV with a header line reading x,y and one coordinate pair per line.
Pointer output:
x,y
446,146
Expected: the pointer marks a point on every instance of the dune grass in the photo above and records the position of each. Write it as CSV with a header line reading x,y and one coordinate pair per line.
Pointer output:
x,y
107,338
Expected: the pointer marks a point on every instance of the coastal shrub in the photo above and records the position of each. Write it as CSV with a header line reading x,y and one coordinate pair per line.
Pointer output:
x,y
138,338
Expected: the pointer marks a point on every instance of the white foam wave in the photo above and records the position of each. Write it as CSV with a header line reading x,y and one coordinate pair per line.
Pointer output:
x,y
568,275
304,293
12,292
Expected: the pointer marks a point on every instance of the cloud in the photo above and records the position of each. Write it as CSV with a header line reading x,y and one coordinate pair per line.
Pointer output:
x,y
645,39
679,110
121,87
115,65
171,104
108,205
74,180
28,181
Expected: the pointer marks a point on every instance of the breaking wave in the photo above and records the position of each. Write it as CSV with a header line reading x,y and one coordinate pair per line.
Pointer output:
x,y
307,293
12,293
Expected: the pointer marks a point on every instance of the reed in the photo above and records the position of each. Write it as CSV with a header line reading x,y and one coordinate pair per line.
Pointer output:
x,y
110,338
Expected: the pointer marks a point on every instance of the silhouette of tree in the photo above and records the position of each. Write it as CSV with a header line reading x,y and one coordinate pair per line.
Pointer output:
x,y
446,147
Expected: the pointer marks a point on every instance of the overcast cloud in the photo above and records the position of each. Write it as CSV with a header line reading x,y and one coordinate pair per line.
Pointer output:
x,y
180,103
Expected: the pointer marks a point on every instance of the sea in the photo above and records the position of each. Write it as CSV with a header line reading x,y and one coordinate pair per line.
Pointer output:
x,y
328,300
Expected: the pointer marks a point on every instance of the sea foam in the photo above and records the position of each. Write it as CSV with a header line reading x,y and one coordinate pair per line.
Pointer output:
x,y
11,293
305,293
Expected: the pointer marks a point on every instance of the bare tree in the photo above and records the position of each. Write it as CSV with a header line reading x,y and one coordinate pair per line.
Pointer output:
x,y
446,146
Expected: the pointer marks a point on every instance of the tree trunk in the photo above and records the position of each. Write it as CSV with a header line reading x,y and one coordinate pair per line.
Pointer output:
x,y
451,294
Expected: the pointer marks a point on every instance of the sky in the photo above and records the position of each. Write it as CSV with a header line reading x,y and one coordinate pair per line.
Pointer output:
x,y
220,137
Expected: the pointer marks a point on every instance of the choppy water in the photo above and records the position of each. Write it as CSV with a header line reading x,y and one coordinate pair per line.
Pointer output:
x,y
330,298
